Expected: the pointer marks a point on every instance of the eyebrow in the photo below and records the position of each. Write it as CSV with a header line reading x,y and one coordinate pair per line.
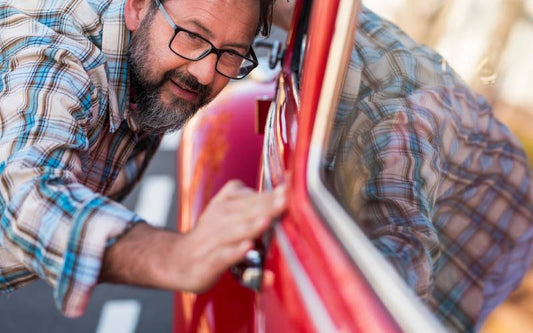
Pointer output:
x,y
210,35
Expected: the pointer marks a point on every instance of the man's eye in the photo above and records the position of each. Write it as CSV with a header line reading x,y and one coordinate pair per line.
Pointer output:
x,y
231,59
233,55
190,35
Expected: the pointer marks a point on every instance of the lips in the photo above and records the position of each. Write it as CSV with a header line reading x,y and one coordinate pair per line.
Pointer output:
x,y
183,91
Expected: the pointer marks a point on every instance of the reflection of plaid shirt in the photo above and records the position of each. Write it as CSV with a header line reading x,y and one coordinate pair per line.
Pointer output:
x,y
66,140
440,186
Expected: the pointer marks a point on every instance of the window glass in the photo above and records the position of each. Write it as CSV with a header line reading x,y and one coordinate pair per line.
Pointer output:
x,y
487,43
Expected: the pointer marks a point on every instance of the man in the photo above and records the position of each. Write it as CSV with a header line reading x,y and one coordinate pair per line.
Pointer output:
x,y
441,187
87,88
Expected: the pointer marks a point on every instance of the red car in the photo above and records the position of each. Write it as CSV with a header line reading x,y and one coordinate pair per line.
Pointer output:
x,y
316,271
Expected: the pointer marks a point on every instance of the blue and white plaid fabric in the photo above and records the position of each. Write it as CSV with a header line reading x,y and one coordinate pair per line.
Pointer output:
x,y
67,143
440,186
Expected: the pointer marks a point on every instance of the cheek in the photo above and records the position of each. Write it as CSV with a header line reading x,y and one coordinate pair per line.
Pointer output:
x,y
161,65
163,60
219,83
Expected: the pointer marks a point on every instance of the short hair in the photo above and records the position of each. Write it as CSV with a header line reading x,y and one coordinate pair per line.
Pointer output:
x,y
265,17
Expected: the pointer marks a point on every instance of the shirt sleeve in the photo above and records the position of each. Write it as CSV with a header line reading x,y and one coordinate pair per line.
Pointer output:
x,y
57,228
386,172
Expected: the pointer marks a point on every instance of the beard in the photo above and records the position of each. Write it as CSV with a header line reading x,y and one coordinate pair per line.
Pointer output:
x,y
152,115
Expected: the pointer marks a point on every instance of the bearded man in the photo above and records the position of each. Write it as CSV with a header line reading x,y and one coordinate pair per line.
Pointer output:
x,y
87,89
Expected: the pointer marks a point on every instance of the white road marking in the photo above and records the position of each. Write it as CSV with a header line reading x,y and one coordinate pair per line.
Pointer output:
x,y
170,141
119,317
155,199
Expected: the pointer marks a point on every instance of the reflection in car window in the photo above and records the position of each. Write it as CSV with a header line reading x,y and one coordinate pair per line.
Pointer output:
x,y
408,124
406,311
488,44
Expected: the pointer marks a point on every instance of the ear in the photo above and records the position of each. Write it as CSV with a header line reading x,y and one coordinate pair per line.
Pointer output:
x,y
134,12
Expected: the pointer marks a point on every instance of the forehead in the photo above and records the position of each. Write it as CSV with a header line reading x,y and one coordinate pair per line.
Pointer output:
x,y
219,19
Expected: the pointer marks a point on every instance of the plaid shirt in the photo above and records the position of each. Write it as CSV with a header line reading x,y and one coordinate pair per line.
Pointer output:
x,y
441,187
67,143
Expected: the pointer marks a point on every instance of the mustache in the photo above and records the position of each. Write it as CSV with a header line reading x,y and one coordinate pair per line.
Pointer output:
x,y
187,81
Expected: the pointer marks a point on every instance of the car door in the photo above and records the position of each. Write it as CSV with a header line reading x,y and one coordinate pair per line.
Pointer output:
x,y
310,282
315,271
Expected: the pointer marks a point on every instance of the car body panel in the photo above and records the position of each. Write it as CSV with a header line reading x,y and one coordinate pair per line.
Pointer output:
x,y
218,145
310,282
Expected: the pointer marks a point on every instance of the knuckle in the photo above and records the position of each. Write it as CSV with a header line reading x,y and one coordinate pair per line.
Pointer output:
x,y
226,188
230,189
234,184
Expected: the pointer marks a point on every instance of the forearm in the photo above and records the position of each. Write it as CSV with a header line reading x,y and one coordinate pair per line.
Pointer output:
x,y
150,257
141,258
58,229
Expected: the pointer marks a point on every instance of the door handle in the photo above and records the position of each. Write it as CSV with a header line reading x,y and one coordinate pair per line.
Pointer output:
x,y
249,272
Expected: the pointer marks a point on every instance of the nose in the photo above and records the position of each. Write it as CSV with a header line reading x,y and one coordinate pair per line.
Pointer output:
x,y
204,70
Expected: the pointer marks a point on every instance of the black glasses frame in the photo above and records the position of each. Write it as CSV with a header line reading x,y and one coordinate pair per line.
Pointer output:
x,y
177,29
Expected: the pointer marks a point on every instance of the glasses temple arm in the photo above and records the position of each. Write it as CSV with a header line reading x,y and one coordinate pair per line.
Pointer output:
x,y
165,14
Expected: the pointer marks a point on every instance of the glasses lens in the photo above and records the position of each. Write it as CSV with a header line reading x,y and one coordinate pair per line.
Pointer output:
x,y
193,47
234,65
189,45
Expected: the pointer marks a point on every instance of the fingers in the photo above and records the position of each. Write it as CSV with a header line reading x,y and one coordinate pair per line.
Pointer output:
x,y
242,231
232,189
276,201
237,199
265,204
230,255
239,213
227,229
217,263
235,189
195,267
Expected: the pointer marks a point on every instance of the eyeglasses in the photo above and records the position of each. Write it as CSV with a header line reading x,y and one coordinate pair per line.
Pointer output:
x,y
193,47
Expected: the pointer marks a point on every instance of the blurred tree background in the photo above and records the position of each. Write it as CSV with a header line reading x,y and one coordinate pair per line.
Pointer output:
x,y
489,43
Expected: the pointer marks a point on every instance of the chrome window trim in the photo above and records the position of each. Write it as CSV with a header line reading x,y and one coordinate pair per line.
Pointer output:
x,y
295,90
408,312
269,125
269,130
313,304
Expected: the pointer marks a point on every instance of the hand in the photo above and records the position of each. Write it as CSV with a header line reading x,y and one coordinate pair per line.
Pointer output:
x,y
152,257
227,228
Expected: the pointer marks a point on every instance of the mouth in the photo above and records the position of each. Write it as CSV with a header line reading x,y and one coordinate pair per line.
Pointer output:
x,y
183,91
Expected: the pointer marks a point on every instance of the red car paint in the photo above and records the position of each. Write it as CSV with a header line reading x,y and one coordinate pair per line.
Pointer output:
x,y
310,284
218,145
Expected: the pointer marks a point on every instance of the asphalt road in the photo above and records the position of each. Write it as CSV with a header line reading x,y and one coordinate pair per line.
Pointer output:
x,y
112,309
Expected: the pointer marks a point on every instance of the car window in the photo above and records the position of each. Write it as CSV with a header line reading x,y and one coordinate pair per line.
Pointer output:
x,y
485,44
489,44
334,111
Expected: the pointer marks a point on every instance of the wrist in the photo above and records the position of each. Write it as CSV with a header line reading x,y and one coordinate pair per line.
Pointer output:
x,y
135,257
